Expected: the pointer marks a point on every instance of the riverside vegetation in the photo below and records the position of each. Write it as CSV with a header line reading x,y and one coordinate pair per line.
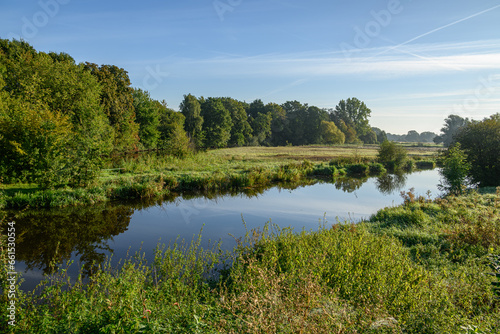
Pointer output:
x,y
153,176
422,267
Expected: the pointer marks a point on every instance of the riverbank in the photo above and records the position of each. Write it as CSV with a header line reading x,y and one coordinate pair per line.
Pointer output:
x,y
153,176
421,267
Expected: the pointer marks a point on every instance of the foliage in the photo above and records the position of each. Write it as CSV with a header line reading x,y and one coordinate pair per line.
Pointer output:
x,y
216,123
495,265
452,124
354,113
118,103
455,170
34,144
481,143
330,134
392,155
241,131
191,109
381,135
147,113
261,126
173,137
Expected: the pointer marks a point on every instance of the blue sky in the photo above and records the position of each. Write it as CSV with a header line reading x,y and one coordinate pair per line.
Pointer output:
x,y
412,62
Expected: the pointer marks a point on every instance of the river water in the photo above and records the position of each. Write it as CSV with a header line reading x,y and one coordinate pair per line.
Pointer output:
x,y
48,239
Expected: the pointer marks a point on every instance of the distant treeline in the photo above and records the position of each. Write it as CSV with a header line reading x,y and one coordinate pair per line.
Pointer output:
x,y
413,137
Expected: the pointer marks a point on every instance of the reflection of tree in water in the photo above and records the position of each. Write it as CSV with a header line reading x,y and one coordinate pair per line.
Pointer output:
x,y
48,238
388,183
349,184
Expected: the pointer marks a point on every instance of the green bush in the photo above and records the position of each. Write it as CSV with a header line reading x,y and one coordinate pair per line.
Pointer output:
x,y
392,155
358,169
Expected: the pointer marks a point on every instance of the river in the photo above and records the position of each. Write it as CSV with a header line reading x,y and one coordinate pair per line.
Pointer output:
x,y
47,239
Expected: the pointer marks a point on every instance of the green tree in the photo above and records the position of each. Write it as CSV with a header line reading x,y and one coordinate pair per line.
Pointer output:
x,y
217,123
191,109
279,123
451,126
311,122
330,134
34,143
295,131
413,136
455,170
57,88
241,131
354,113
480,140
173,138
261,126
147,116
391,155
427,137
349,132
369,137
255,108
118,104
381,135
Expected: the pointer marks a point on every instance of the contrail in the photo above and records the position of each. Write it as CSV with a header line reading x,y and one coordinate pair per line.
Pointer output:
x,y
436,30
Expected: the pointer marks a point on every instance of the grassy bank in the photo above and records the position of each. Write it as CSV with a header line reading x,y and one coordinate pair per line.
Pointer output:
x,y
155,176
421,267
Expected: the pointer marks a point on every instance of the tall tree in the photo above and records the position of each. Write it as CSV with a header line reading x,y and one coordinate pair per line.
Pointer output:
x,y
279,123
261,126
147,116
311,123
216,123
481,143
241,131
255,108
117,102
57,89
173,138
354,113
330,134
381,135
191,109
296,112
451,126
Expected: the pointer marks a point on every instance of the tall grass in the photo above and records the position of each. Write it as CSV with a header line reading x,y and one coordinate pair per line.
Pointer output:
x,y
421,267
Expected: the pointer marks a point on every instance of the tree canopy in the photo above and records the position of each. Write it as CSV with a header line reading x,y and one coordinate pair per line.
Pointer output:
x,y
480,140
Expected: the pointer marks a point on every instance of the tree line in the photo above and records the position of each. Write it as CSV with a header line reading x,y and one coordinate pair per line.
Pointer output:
x,y
218,122
59,119
413,137
473,152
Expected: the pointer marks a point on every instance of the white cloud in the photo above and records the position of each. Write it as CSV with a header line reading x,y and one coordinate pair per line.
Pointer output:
x,y
410,60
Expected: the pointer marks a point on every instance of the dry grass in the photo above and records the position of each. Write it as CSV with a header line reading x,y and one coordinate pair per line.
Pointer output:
x,y
313,153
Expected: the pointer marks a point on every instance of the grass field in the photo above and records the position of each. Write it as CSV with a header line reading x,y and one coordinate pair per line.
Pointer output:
x,y
316,152
154,175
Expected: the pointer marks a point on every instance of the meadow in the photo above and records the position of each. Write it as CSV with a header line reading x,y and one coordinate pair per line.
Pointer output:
x,y
153,175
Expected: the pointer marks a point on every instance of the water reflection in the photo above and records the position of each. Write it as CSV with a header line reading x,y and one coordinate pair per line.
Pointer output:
x,y
389,183
47,238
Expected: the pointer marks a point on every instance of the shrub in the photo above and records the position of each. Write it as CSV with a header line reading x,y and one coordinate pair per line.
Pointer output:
x,y
391,155
377,169
455,170
358,169
425,164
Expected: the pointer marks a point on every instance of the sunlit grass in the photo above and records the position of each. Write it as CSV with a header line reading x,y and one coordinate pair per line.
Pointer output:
x,y
417,268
